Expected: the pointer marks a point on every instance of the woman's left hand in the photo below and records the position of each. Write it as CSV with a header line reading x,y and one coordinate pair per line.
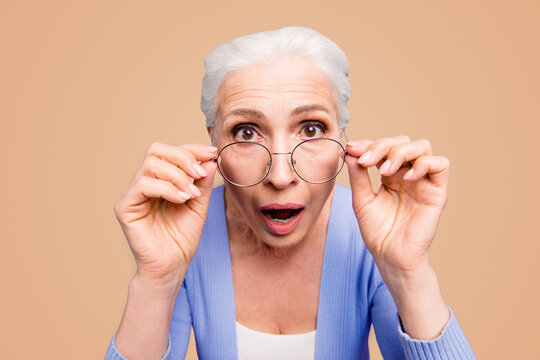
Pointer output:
x,y
399,222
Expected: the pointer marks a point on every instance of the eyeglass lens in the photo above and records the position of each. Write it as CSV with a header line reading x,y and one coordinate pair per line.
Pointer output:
x,y
247,163
244,163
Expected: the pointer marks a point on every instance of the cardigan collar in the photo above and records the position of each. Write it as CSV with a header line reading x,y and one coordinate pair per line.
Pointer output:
x,y
215,271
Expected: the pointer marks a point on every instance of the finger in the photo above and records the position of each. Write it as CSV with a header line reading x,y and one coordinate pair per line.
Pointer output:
x,y
358,147
379,149
404,153
205,185
436,167
186,157
164,170
360,183
146,188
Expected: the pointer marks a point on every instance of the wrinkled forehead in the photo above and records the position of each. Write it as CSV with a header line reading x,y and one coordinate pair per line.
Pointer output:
x,y
275,88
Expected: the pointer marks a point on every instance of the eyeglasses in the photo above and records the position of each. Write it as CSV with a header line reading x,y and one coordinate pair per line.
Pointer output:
x,y
247,163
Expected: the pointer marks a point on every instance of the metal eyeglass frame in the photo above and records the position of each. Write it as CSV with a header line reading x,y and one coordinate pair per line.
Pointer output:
x,y
269,163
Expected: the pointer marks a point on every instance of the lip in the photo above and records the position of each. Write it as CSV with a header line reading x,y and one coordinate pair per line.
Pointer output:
x,y
282,228
282,206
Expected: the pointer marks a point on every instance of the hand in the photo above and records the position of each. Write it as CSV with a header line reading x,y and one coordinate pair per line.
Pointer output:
x,y
399,222
162,213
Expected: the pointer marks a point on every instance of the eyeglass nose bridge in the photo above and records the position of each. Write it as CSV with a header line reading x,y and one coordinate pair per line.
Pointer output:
x,y
283,153
270,163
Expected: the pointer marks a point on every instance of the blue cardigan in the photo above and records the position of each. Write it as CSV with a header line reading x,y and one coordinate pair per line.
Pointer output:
x,y
352,297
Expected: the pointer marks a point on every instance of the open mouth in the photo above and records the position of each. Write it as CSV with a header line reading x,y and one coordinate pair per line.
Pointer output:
x,y
281,215
281,219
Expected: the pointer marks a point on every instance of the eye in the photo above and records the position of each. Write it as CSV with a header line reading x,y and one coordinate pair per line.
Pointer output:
x,y
313,130
244,133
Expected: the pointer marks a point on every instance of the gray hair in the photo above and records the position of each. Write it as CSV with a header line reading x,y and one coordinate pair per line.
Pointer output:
x,y
256,48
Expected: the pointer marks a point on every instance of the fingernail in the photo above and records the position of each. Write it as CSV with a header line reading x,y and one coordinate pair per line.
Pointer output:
x,y
194,190
199,169
385,166
211,149
408,174
353,143
184,195
365,157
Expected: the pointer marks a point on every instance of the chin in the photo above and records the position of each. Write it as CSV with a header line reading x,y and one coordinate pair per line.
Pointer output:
x,y
280,242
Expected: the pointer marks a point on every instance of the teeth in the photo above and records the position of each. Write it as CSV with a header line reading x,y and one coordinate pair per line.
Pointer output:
x,y
283,221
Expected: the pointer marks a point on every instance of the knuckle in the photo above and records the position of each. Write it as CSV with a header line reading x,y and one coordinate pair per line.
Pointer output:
x,y
186,151
380,141
445,161
421,162
377,145
141,183
178,178
117,207
395,152
403,137
185,147
154,148
183,159
425,142
151,166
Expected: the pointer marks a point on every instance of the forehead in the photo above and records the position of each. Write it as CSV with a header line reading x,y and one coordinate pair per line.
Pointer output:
x,y
280,84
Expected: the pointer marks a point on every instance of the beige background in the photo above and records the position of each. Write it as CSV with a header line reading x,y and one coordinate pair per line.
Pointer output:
x,y
85,87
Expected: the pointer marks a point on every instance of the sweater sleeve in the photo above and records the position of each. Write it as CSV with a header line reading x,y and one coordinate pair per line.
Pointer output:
x,y
394,343
179,331
114,354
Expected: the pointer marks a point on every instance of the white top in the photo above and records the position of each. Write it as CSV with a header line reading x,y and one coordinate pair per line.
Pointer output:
x,y
256,345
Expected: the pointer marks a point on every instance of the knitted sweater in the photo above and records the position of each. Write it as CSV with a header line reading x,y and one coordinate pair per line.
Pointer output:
x,y
352,297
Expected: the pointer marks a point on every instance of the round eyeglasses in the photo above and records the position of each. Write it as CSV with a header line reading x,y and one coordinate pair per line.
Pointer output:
x,y
247,163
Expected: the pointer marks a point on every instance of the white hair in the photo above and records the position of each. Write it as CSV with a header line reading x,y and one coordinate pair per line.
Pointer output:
x,y
255,48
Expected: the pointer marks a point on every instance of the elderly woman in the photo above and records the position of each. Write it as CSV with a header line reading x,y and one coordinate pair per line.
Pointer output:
x,y
280,262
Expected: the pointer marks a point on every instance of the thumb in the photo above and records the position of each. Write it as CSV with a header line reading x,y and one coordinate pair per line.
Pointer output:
x,y
205,185
360,183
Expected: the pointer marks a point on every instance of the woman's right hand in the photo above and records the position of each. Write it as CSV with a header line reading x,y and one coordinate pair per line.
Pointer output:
x,y
162,213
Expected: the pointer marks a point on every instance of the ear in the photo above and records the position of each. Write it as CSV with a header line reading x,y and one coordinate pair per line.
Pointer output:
x,y
211,133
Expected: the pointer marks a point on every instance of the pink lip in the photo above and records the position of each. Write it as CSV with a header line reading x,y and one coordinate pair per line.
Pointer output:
x,y
281,206
282,228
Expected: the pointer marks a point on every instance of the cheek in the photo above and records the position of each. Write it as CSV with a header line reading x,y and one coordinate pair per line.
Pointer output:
x,y
319,194
243,200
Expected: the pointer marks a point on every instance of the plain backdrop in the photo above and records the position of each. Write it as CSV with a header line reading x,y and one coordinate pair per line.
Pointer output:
x,y
87,86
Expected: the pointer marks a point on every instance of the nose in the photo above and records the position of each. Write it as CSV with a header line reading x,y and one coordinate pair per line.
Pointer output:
x,y
281,173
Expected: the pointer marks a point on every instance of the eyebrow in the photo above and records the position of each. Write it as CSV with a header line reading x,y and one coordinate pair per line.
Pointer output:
x,y
307,108
249,113
256,114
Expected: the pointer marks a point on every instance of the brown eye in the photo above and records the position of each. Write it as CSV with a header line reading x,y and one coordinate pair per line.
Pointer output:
x,y
245,134
310,131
